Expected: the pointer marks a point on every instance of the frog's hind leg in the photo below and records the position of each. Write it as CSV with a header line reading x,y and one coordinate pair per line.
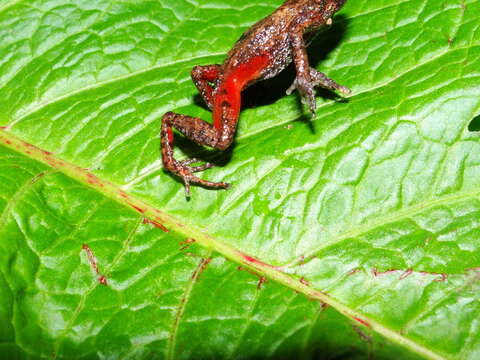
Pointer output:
x,y
219,135
203,77
201,132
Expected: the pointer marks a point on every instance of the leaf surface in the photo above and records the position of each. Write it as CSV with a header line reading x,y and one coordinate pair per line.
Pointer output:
x,y
371,208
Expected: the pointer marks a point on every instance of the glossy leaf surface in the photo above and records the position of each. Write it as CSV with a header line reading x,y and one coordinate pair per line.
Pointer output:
x,y
373,207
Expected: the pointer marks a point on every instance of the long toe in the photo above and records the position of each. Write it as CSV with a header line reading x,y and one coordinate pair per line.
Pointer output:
x,y
189,161
291,88
312,104
205,166
187,187
210,184
344,90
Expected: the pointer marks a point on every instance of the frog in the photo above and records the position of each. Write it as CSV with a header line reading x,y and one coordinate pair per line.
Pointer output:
x,y
262,52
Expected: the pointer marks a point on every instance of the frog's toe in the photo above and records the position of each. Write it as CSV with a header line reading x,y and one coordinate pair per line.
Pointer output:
x,y
292,87
183,170
185,164
312,104
344,90
205,166
209,184
189,161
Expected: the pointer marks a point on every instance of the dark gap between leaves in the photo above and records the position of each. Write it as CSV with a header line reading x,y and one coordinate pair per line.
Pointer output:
x,y
474,124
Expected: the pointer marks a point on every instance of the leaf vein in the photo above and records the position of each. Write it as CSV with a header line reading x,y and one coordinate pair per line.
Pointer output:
x,y
182,305
406,212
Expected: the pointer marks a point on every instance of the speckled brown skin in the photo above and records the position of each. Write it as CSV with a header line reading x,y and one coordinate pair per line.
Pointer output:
x,y
262,52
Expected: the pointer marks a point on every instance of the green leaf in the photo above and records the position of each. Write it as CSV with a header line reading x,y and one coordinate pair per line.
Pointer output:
x,y
371,209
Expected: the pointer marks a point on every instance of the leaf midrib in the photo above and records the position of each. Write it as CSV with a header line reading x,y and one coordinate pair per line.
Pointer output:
x,y
359,230
202,237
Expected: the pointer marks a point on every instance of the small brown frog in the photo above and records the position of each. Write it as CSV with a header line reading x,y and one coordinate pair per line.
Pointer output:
x,y
262,52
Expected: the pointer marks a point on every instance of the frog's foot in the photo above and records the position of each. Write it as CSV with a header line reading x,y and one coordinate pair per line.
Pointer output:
x,y
183,170
320,79
317,79
307,94
195,169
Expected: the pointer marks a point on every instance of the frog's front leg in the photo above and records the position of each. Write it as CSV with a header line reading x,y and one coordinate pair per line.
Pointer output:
x,y
303,81
320,79
307,78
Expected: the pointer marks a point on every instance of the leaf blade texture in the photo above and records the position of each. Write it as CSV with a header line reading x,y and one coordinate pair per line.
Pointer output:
x,y
371,208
